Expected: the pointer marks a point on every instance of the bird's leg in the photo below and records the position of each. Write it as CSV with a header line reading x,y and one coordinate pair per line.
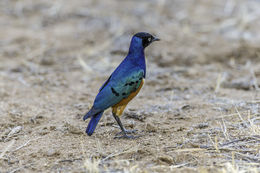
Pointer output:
x,y
120,112
124,131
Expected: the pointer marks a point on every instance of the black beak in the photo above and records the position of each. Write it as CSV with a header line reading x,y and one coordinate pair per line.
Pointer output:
x,y
156,39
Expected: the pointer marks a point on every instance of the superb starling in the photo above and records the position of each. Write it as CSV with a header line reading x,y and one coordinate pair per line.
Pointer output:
x,y
123,84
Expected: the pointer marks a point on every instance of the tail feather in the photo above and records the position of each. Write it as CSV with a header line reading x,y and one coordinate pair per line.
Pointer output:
x,y
93,123
91,113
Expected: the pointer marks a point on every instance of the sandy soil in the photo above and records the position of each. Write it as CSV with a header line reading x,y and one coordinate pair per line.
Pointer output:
x,y
199,108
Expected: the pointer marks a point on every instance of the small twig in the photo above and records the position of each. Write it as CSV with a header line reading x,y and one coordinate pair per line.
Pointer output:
x,y
254,79
225,149
213,144
256,137
254,101
25,144
70,160
234,141
178,166
233,159
251,158
239,115
188,150
224,130
229,115
116,126
114,154
84,65
218,83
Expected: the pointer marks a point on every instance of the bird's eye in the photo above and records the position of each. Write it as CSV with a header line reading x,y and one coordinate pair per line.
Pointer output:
x,y
149,39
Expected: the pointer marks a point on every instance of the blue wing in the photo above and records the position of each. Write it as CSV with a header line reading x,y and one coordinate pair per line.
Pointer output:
x,y
119,86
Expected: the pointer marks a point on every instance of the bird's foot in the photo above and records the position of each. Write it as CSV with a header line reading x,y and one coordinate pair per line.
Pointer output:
x,y
126,132
125,136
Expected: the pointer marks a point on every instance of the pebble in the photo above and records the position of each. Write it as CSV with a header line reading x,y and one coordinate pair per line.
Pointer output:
x,y
52,152
166,159
150,128
15,130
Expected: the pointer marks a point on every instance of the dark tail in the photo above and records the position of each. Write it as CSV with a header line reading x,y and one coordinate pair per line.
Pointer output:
x,y
93,122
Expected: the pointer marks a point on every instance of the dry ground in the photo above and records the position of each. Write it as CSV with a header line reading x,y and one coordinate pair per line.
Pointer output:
x,y
199,108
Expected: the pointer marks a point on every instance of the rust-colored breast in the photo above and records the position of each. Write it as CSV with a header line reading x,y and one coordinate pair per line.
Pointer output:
x,y
119,108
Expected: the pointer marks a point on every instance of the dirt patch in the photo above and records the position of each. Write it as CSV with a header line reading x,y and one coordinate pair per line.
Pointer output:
x,y
199,108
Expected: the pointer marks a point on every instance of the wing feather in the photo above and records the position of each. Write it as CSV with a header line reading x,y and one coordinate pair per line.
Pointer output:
x,y
116,89
129,84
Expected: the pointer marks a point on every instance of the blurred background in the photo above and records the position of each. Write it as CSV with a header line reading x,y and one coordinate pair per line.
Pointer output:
x,y
202,84
192,31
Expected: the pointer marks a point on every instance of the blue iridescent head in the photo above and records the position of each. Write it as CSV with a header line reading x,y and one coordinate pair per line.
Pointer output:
x,y
146,38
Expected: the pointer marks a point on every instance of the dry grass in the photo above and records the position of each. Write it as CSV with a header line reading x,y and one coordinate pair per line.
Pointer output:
x,y
239,150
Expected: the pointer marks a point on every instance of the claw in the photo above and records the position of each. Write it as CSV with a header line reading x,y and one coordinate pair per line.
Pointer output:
x,y
127,132
125,136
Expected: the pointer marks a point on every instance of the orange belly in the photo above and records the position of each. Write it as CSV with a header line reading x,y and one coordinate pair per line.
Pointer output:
x,y
119,108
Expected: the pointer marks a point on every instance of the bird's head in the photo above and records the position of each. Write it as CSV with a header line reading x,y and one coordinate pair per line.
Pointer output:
x,y
144,38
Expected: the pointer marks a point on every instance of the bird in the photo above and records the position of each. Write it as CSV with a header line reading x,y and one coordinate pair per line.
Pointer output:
x,y
122,86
